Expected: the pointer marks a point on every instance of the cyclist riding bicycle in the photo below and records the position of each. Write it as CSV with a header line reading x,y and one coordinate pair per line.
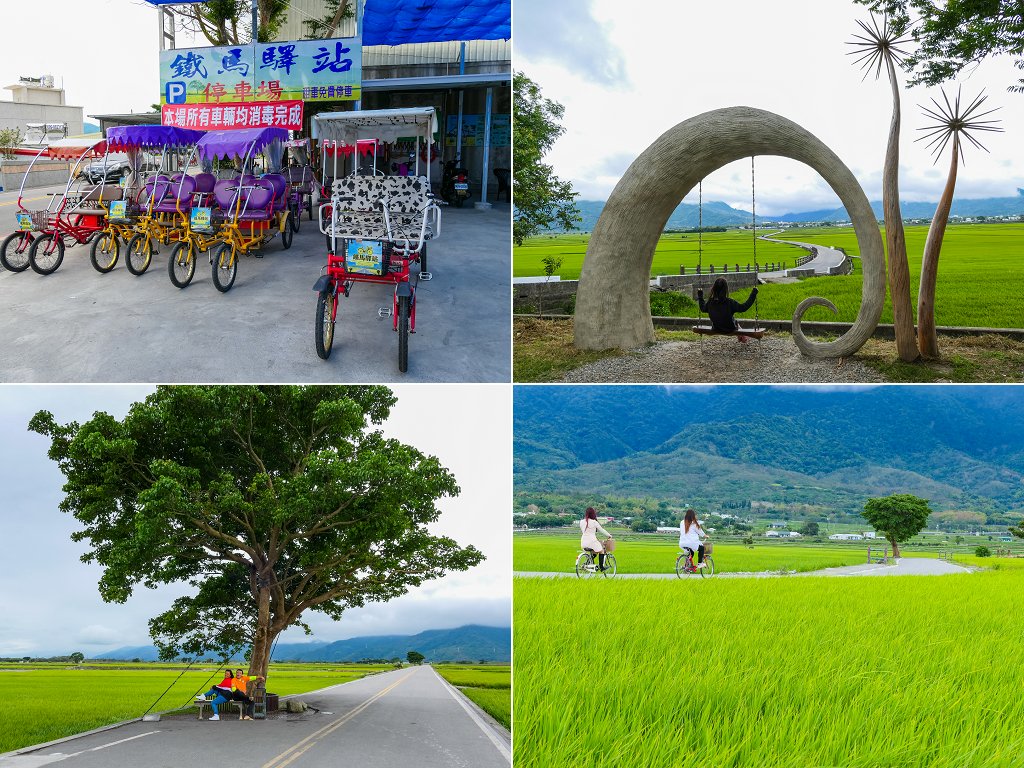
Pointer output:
x,y
589,528
690,535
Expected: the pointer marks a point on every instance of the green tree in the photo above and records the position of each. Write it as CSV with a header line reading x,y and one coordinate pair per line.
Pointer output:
x,y
541,198
643,525
77,657
415,657
982,551
9,139
327,25
956,34
810,528
229,22
270,501
898,517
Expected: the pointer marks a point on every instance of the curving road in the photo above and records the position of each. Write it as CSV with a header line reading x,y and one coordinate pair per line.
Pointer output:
x,y
907,566
407,717
823,263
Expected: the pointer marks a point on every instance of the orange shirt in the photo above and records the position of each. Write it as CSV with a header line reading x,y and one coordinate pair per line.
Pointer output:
x,y
240,682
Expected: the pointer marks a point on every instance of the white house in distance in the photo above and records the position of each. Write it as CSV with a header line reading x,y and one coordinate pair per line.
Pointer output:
x,y
846,537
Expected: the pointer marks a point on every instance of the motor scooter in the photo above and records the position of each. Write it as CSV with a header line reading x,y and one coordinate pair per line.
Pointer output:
x,y
454,183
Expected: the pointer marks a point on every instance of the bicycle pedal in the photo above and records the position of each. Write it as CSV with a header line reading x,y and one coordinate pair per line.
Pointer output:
x,y
383,312
426,276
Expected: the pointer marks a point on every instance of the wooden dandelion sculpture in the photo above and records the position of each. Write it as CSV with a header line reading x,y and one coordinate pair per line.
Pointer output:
x,y
881,46
951,124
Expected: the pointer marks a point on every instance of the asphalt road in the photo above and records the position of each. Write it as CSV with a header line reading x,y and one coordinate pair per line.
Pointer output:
x,y
906,566
78,325
409,717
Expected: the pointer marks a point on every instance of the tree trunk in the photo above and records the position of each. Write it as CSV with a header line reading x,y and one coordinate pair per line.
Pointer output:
x,y
259,660
899,271
895,547
927,340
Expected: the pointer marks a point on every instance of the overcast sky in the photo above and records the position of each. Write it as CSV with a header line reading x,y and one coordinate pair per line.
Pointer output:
x,y
104,51
627,72
49,599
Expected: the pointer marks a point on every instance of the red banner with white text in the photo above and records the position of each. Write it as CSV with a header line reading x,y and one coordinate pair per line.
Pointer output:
x,y
229,115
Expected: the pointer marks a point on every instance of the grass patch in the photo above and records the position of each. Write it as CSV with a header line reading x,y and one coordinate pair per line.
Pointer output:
x,y
544,351
489,687
857,672
967,359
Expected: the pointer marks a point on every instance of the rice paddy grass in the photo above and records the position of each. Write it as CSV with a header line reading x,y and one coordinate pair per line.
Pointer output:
x,y
44,702
855,672
489,687
981,271
555,553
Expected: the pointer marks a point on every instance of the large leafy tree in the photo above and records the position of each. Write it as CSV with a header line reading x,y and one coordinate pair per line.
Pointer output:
x,y
541,199
270,501
956,34
897,517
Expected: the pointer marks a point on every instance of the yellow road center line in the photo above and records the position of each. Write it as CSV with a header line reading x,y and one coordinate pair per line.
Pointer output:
x,y
25,200
276,762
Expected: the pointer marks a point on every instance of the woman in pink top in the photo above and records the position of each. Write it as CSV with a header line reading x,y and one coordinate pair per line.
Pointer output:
x,y
589,528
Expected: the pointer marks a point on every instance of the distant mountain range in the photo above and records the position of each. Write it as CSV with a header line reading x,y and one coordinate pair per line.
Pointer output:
x,y
959,447
470,642
719,214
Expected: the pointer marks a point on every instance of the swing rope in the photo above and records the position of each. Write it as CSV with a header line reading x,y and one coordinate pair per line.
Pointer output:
x,y
753,223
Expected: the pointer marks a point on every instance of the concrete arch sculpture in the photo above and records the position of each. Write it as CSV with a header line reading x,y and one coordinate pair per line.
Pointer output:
x,y
612,308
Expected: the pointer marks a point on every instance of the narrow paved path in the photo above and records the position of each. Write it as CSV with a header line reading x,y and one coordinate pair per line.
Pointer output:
x,y
409,717
906,566
826,259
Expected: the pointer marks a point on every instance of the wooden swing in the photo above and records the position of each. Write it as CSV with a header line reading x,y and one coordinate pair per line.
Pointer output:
x,y
706,330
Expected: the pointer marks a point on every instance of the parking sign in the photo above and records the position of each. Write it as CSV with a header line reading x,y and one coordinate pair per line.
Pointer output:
x,y
175,92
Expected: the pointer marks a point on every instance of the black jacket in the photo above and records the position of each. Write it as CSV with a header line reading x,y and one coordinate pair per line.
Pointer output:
x,y
721,312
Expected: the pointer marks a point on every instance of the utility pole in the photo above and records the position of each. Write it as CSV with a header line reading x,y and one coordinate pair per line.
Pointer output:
x,y
255,21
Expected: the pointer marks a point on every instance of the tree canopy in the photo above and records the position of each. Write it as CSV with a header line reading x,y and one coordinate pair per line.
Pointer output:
x,y
541,198
229,22
415,657
956,34
897,517
269,501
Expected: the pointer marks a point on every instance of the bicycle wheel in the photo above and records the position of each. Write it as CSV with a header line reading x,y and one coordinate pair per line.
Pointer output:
x,y
709,569
610,566
104,251
140,254
14,252
181,267
293,217
403,333
585,565
46,254
324,328
225,267
681,565
286,235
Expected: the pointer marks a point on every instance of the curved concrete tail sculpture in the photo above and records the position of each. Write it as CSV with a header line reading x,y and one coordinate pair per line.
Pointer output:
x,y
612,306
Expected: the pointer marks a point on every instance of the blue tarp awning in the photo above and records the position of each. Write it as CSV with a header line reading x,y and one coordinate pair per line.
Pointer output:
x,y
394,22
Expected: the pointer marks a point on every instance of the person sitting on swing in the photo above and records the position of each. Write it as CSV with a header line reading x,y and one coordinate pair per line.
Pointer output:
x,y
721,309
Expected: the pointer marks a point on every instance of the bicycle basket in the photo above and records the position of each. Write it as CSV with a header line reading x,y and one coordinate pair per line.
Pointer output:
x,y
609,545
708,547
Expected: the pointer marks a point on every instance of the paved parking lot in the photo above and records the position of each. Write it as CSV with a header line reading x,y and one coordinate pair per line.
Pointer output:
x,y
77,325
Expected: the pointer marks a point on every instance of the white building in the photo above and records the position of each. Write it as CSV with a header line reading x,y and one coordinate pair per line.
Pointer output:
x,y
846,537
36,100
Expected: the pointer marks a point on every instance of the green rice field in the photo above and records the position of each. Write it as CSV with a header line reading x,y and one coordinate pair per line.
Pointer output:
x,y
489,687
856,672
981,270
557,553
43,702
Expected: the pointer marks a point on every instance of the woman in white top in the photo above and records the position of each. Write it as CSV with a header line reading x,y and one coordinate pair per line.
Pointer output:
x,y
690,535
589,527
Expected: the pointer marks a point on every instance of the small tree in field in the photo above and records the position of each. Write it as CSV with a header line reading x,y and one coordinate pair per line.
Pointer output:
x,y
269,501
77,657
810,528
415,657
898,517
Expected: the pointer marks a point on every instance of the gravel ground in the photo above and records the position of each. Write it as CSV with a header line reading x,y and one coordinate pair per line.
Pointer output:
x,y
774,359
